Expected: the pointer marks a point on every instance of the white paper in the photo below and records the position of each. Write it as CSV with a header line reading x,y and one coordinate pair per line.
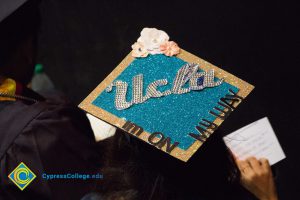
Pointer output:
x,y
256,139
101,129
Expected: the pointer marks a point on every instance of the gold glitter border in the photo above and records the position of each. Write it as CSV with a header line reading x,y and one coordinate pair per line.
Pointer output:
x,y
184,155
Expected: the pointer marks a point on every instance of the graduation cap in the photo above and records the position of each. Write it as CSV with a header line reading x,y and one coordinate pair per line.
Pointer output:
x,y
9,6
166,96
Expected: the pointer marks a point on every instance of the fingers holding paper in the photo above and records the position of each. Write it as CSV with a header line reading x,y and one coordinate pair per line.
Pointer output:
x,y
257,177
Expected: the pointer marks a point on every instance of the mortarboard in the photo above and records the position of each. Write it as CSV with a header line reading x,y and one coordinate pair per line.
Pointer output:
x,y
9,6
166,96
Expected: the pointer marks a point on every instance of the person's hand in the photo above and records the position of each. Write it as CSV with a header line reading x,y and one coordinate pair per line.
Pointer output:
x,y
257,177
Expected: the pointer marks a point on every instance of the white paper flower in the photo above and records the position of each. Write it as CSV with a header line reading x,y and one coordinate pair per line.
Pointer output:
x,y
138,50
152,38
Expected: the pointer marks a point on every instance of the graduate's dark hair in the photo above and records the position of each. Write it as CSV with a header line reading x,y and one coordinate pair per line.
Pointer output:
x,y
136,170
19,27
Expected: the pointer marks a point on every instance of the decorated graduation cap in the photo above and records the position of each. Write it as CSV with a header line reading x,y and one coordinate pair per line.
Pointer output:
x,y
9,6
166,96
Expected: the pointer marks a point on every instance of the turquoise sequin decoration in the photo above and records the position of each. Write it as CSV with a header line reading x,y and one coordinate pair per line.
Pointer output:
x,y
174,115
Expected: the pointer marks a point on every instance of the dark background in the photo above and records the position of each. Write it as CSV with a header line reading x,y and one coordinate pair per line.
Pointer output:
x,y
82,41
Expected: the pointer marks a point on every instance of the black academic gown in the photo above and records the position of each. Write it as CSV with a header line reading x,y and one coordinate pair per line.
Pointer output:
x,y
50,136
